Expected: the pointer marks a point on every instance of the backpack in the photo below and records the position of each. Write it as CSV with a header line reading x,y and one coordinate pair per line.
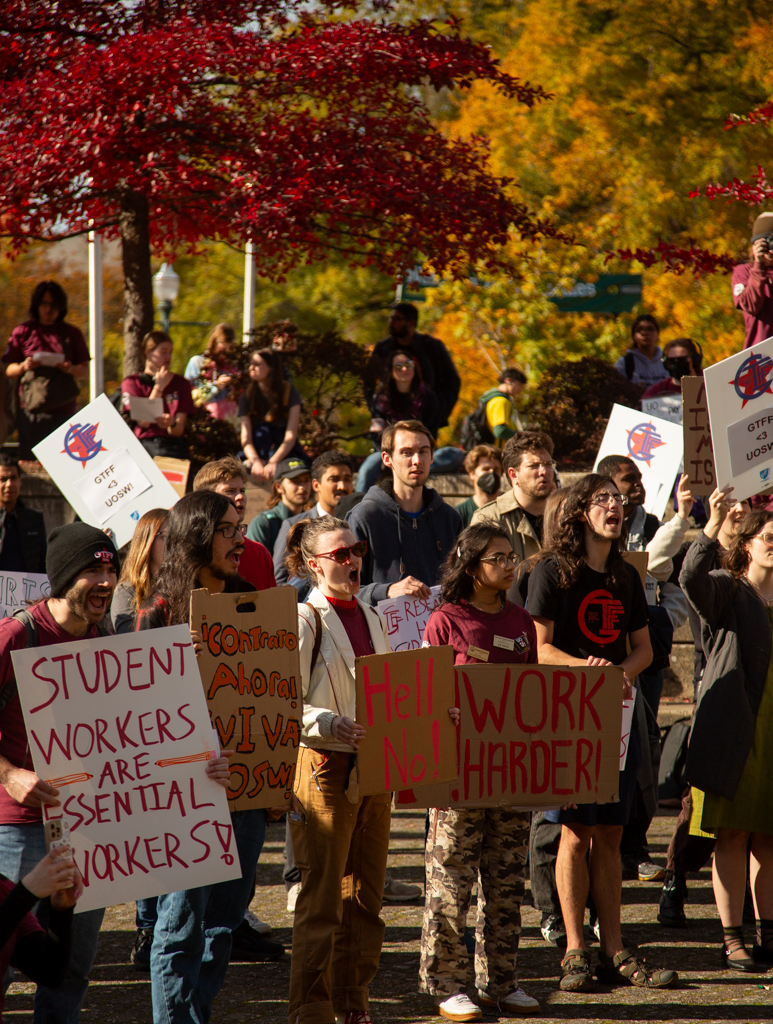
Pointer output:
x,y
673,757
475,429
30,640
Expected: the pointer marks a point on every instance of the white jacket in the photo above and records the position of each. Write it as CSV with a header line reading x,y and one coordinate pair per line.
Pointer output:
x,y
331,689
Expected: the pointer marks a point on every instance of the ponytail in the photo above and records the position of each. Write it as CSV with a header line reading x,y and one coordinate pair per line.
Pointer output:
x,y
301,543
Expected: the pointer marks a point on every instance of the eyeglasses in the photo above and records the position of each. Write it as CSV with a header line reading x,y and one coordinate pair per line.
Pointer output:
x,y
501,560
402,366
538,465
766,538
342,555
606,496
229,532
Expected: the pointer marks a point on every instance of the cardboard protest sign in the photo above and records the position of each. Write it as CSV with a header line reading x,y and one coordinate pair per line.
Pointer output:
x,y
739,391
405,619
175,471
120,727
665,407
17,589
103,470
654,444
698,451
252,681
403,701
533,736
639,560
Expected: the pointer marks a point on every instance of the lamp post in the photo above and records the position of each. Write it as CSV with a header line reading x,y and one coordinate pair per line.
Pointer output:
x,y
166,288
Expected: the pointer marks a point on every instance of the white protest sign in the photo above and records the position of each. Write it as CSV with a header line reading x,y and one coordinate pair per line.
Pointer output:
x,y
656,447
625,728
110,482
666,407
406,618
103,470
739,392
17,589
119,725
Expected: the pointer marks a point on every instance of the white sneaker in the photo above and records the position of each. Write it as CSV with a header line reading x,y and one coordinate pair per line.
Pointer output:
x,y
255,923
397,892
459,1007
516,1003
292,897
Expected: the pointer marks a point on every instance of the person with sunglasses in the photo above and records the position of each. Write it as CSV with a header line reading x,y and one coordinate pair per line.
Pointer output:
x,y
192,936
340,839
588,604
730,756
469,844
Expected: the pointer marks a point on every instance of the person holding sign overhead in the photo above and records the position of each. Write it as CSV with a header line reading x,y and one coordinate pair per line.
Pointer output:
x,y
163,434
488,845
730,757
587,602
340,839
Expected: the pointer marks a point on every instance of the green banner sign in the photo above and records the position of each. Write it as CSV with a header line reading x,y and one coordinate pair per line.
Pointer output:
x,y
611,293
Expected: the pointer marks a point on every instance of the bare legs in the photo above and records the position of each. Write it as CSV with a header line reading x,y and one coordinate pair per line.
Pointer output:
x,y
604,881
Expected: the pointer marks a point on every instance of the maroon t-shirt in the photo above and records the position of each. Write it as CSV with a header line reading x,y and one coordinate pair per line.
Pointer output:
x,y
32,336
176,395
356,626
14,745
462,626
256,565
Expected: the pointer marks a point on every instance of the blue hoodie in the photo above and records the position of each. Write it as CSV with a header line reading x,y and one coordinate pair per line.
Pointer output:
x,y
400,545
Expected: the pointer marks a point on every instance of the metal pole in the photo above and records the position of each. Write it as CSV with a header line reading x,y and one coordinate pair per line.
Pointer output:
x,y
165,313
97,364
248,316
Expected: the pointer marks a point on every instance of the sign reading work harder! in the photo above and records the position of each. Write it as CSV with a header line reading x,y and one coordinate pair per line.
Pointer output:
x,y
403,701
119,726
698,451
103,470
251,675
656,447
740,399
533,736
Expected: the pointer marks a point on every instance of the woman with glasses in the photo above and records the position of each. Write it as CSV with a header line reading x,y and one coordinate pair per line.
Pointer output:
x,y
269,413
730,757
340,839
465,844
403,395
588,605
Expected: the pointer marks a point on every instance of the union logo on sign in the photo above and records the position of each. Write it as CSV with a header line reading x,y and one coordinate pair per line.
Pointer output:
x,y
80,442
642,442
751,381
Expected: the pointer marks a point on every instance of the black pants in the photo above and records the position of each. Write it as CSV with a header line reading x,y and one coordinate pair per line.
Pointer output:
x,y
166,447
543,850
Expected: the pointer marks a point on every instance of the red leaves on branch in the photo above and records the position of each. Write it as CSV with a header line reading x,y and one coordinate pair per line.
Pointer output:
x,y
678,258
248,119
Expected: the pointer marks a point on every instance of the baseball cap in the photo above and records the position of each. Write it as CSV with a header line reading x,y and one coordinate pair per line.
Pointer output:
x,y
290,468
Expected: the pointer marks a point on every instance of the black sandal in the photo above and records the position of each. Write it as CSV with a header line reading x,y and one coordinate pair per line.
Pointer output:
x,y
733,942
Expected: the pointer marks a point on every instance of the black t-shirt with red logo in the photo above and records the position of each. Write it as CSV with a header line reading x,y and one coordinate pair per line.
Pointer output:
x,y
590,619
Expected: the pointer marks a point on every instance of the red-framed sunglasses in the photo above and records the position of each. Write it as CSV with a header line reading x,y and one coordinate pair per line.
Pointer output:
x,y
342,555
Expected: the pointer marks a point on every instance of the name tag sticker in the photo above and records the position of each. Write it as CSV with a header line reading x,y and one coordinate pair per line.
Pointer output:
x,y
504,642
477,652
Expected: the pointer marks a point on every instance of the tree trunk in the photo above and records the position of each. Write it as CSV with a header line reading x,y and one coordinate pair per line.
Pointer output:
x,y
137,280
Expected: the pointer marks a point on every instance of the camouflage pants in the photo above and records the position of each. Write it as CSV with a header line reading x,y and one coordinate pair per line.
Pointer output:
x,y
464,845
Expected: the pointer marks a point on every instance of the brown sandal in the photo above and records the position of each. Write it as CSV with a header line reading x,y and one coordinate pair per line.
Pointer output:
x,y
576,973
631,967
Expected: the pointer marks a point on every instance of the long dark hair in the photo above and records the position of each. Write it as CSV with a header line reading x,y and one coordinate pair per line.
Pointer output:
x,y
188,550
456,582
259,404
58,294
738,559
568,536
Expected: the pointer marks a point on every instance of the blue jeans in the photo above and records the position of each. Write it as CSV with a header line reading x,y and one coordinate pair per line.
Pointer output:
x,y
21,847
192,937
147,913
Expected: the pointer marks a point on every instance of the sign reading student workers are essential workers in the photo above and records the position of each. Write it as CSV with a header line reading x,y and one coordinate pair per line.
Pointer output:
x,y
119,725
103,470
654,444
739,391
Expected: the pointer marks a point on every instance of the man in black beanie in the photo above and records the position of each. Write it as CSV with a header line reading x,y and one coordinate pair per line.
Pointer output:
x,y
82,567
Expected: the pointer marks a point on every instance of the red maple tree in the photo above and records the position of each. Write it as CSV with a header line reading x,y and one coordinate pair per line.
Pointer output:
x,y
166,122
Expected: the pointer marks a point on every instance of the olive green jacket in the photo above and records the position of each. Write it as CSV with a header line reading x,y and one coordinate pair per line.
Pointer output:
x,y
506,512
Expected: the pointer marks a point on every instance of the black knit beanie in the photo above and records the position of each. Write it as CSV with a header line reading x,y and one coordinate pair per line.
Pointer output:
x,y
73,548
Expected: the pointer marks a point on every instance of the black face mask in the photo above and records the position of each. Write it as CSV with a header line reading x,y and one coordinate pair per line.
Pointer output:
x,y
489,483
678,368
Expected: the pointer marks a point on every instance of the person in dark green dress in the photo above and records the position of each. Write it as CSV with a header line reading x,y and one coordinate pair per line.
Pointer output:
x,y
730,759
483,465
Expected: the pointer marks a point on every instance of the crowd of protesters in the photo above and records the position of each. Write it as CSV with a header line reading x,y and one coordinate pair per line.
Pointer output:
x,y
523,558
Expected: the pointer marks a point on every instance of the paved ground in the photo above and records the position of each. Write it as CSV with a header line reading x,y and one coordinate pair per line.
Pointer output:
x,y
118,995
